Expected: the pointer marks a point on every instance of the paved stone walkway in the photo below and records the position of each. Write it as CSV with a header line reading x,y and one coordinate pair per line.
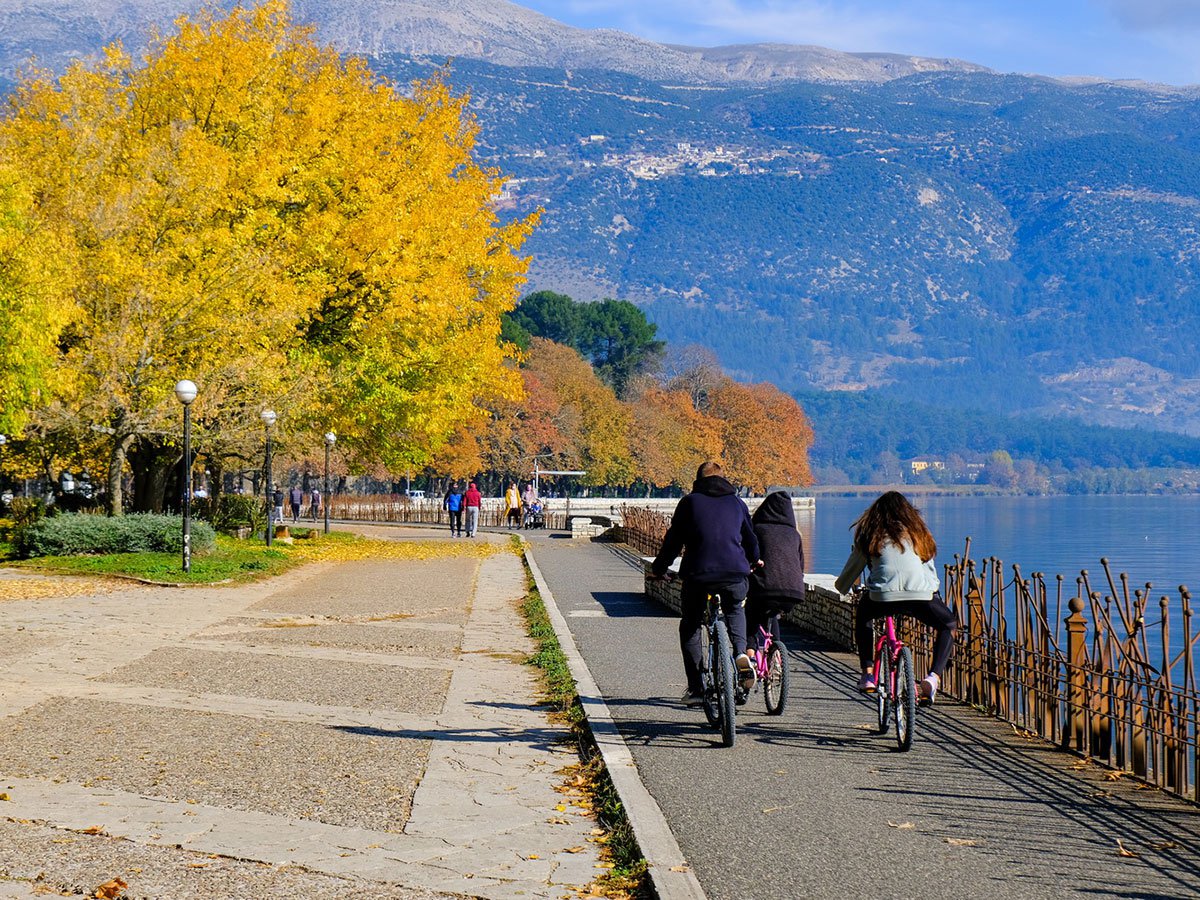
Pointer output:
x,y
357,730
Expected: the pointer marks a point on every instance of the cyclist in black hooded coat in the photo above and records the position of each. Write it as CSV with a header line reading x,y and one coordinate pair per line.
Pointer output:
x,y
779,584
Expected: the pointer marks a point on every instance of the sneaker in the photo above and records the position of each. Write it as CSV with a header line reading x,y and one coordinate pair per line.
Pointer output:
x,y
927,690
866,684
746,670
692,698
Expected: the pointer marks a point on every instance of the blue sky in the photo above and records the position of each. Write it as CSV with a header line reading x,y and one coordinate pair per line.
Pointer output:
x,y
1154,40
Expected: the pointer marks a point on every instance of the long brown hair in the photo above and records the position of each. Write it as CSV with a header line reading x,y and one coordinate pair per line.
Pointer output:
x,y
892,518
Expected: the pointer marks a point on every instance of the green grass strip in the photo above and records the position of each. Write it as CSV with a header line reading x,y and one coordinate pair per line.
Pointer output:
x,y
629,875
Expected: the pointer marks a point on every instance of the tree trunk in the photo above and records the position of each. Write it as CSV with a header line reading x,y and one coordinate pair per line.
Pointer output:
x,y
116,468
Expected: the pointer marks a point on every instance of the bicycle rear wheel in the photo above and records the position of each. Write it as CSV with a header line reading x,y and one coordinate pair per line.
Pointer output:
x,y
708,661
725,687
778,679
883,689
906,699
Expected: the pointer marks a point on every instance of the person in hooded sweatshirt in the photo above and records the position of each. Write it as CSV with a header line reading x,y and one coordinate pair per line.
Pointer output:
x,y
779,584
711,526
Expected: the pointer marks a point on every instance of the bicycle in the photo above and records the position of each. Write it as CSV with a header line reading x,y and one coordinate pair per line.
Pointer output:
x,y
717,672
895,685
771,669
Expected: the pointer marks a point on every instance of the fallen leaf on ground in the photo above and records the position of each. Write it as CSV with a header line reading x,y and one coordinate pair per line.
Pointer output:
x,y
557,821
1113,776
95,829
680,869
5,797
533,856
1122,851
1165,845
111,889
901,825
574,850
961,842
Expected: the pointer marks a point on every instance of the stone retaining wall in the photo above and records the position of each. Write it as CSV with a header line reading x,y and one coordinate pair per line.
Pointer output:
x,y
824,612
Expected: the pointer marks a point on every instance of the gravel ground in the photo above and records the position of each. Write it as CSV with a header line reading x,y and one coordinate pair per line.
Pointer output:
x,y
76,864
282,768
367,638
325,682
433,589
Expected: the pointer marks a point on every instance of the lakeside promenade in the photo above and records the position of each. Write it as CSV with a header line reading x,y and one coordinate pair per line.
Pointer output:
x,y
361,730
356,730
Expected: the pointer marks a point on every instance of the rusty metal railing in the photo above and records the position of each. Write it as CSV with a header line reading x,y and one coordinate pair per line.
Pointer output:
x,y
644,529
1088,671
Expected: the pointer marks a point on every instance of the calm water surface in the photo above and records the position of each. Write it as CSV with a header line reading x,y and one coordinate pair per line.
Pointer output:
x,y
1154,539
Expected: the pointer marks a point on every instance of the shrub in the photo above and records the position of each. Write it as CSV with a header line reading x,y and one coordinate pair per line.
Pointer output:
x,y
230,512
27,511
74,535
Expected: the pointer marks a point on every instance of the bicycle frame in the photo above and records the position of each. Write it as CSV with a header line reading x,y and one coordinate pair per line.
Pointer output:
x,y
890,641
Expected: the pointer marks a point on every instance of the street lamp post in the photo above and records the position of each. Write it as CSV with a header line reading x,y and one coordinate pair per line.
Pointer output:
x,y
330,440
185,391
268,418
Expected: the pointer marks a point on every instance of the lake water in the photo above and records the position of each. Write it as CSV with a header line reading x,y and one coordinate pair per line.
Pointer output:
x,y
1154,539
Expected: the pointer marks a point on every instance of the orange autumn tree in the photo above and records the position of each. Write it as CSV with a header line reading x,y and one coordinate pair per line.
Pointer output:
x,y
765,434
670,437
593,423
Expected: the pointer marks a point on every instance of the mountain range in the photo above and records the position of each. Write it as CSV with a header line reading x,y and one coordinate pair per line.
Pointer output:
x,y
920,228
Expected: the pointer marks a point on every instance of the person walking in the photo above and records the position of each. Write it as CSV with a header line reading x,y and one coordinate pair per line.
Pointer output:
x,y
315,503
512,506
528,499
472,501
453,504
276,506
712,527
296,496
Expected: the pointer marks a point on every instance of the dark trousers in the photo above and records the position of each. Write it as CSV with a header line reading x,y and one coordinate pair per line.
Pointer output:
x,y
694,598
934,613
762,614
455,521
295,511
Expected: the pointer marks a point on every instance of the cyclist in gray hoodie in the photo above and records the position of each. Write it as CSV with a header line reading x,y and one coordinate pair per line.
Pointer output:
x,y
892,540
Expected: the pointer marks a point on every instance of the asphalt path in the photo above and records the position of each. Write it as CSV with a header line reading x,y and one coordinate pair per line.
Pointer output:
x,y
815,804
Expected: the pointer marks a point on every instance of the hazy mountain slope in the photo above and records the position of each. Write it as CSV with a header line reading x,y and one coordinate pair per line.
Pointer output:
x,y
493,30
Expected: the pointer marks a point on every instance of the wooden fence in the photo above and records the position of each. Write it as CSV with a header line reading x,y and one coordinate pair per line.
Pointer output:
x,y
398,508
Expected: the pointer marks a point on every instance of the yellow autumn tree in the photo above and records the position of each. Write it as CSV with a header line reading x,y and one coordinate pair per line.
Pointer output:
x,y
246,209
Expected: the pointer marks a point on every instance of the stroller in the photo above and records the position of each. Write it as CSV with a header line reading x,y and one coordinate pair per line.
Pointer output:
x,y
534,517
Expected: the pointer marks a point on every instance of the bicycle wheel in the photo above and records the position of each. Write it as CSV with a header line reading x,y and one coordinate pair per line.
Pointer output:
x,y
906,699
725,688
708,663
883,689
778,679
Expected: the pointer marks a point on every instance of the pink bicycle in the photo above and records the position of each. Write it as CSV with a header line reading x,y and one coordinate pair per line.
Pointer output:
x,y
895,685
771,668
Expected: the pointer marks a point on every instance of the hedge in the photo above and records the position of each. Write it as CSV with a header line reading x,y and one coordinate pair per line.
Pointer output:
x,y
76,535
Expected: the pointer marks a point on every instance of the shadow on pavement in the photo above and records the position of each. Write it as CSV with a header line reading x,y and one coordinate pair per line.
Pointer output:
x,y
545,739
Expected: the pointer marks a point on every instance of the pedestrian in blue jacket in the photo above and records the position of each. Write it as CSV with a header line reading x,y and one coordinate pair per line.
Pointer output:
x,y
711,527
453,504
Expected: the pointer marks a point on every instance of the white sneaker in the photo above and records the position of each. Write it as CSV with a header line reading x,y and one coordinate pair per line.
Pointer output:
x,y
927,690
746,670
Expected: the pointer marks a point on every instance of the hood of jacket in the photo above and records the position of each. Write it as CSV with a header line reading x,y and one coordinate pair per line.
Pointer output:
x,y
776,509
713,486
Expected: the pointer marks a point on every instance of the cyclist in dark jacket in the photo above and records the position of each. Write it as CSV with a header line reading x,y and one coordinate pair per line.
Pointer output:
x,y
711,526
779,584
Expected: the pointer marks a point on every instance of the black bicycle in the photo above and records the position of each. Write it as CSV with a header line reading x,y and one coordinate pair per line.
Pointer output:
x,y
717,672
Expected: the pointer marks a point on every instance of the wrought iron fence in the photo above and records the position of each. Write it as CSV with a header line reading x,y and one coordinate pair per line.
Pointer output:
x,y
1086,669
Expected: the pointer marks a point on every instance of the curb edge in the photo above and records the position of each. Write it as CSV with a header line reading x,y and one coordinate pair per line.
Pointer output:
x,y
655,839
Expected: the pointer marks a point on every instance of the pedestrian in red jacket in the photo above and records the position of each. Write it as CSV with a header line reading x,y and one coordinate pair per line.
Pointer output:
x,y
472,501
